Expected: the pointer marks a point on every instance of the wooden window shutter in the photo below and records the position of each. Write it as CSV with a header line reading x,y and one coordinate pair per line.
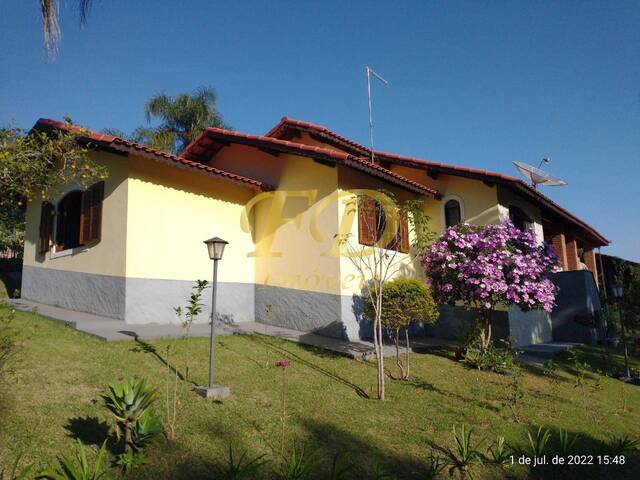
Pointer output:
x,y
46,227
367,221
91,214
404,235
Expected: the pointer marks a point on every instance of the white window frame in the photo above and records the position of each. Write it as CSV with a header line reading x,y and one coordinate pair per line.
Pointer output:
x,y
53,253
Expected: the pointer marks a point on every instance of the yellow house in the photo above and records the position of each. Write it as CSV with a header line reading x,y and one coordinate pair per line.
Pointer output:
x,y
480,197
131,247
280,206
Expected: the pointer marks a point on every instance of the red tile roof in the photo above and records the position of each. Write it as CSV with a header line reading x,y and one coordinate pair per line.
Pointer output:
x,y
286,125
120,144
208,142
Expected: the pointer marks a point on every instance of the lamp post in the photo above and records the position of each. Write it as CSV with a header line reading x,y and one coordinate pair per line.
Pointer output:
x,y
618,292
215,246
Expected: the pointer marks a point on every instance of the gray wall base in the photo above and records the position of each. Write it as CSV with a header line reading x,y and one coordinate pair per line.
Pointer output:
x,y
135,300
577,299
527,328
315,312
153,301
455,322
141,301
84,292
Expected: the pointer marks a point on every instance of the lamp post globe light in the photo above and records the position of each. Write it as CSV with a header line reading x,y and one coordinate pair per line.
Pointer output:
x,y
618,293
215,247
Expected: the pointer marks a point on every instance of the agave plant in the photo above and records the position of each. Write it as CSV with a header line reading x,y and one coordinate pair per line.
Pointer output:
x,y
128,402
77,467
339,469
565,442
538,445
623,445
145,429
130,460
240,467
433,467
464,454
499,451
299,465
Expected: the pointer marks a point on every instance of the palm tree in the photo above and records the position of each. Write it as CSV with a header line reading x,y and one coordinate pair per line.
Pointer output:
x,y
182,117
49,10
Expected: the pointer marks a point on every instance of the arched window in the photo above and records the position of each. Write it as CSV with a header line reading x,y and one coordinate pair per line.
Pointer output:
x,y
520,219
452,213
372,225
76,220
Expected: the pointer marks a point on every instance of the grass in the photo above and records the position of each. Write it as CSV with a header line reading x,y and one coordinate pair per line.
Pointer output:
x,y
51,398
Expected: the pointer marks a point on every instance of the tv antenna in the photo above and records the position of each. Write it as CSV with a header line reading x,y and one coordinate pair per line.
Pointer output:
x,y
537,176
370,72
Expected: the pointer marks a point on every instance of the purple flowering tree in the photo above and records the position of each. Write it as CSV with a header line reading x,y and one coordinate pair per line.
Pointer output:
x,y
486,266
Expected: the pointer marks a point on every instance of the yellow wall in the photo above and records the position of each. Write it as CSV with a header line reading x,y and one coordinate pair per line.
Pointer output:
x,y
293,249
298,249
108,256
171,211
156,217
480,201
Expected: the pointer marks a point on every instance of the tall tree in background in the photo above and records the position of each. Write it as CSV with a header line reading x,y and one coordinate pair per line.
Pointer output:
x,y
49,10
183,117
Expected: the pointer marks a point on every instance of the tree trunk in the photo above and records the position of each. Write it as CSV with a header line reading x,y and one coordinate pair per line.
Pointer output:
x,y
485,332
377,339
381,392
407,348
127,437
376,348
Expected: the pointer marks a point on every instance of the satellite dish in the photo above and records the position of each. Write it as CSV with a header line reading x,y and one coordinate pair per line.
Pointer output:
x,y
537,176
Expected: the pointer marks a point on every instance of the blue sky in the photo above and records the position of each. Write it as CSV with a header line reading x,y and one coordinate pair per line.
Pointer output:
x,y
472,83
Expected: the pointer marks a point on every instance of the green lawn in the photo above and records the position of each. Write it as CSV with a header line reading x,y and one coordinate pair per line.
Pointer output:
x,y
52,397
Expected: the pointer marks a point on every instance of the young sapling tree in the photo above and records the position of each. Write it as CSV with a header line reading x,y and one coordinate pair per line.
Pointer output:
x,y
404,301
385,230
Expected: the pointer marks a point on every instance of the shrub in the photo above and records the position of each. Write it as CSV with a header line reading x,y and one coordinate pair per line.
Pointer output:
x,y
493,358
491,265
404,301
